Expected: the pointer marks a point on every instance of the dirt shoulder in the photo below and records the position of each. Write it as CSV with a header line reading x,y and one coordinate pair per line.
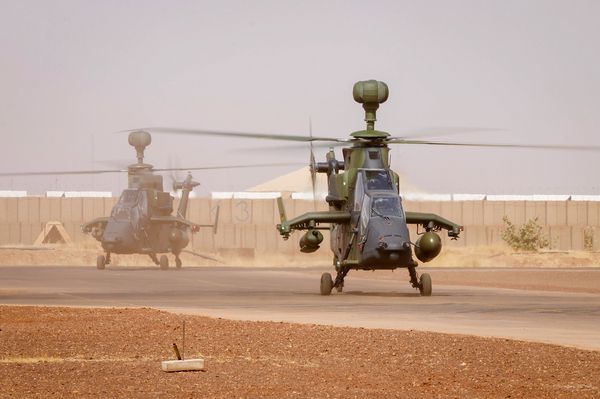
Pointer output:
x,y
66,352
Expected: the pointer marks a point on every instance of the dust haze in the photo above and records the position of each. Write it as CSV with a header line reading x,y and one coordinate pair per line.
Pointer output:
x,y
74,73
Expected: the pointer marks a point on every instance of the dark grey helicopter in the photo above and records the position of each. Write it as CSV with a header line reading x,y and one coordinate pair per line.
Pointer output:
x,y
142,221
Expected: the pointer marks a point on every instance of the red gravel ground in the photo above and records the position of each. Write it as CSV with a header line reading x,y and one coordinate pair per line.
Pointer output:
x,y
74,352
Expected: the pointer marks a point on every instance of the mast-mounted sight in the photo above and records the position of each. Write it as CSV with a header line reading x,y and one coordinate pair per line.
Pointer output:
x,y
370,93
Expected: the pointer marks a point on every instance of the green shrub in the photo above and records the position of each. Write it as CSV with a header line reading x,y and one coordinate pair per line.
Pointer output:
x,y
588,239
527,238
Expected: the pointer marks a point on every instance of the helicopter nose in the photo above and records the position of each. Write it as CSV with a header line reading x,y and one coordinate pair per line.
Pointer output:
x,y
397,246
395,250
111,243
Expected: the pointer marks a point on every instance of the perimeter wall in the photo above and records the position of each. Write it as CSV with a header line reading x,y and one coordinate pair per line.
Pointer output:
x,y
249,225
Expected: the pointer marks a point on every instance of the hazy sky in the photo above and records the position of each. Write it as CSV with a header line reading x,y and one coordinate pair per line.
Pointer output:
x,y
72,73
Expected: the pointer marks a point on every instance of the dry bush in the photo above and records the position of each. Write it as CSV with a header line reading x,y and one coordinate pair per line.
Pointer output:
x,y
528,237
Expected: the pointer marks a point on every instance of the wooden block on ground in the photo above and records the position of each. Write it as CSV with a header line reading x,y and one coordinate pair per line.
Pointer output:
x,y
183,365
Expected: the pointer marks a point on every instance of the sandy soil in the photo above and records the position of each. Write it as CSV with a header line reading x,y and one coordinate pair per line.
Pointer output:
x,y
85,254
65,352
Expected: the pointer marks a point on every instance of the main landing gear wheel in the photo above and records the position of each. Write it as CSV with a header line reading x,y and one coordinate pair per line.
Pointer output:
x,y
326,284
100,262
425,285
164,262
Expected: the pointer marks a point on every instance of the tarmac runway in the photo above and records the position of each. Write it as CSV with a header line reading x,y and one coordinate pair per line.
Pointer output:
x,y
291,294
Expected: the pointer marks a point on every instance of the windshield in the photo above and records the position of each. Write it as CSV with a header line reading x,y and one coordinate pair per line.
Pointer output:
x,y
120,213
129,197
378,180
386,206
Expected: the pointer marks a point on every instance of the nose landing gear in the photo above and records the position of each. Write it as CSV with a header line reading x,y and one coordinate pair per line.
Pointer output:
x,y
164,262
326,284
423,283
102,261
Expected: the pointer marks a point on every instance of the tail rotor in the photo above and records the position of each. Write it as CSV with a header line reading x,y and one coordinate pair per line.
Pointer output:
x,y
312,165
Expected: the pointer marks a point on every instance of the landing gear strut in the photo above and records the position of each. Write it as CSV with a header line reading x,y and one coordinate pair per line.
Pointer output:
x,y
164,262
178,262
326,284
339,279
423,283
102,261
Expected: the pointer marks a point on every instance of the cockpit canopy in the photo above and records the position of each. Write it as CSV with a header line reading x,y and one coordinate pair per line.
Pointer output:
x,y
132,206
378,179
120,212
381,206
129,197
386,206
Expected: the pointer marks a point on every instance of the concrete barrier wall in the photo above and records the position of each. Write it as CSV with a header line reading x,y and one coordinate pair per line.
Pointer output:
x,y
250,224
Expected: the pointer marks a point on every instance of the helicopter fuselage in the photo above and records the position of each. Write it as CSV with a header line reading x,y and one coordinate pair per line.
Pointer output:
x,y
376,236
120,237
367,222
130,228
141,222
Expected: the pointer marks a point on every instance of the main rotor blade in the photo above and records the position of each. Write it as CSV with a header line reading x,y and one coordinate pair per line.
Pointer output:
x,y
265,136
187,251
496,145
95,172
263,165
113,163
442,131
65,172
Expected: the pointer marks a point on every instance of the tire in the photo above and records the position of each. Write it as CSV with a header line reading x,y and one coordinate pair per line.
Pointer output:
x,y
100,262
163,262
425,285
178,263
326,284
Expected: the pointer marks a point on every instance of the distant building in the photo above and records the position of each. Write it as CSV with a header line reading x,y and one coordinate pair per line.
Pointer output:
x,y
11,193
298,185
78,194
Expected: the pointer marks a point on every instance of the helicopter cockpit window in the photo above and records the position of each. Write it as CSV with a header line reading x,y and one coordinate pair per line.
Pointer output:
x,y
129,197
365,214
143,204
359,193
386,206
378,180
120,213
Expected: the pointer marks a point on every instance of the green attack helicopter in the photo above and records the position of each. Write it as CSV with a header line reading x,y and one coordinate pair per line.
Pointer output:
x,y
144,220
141,222
367,223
